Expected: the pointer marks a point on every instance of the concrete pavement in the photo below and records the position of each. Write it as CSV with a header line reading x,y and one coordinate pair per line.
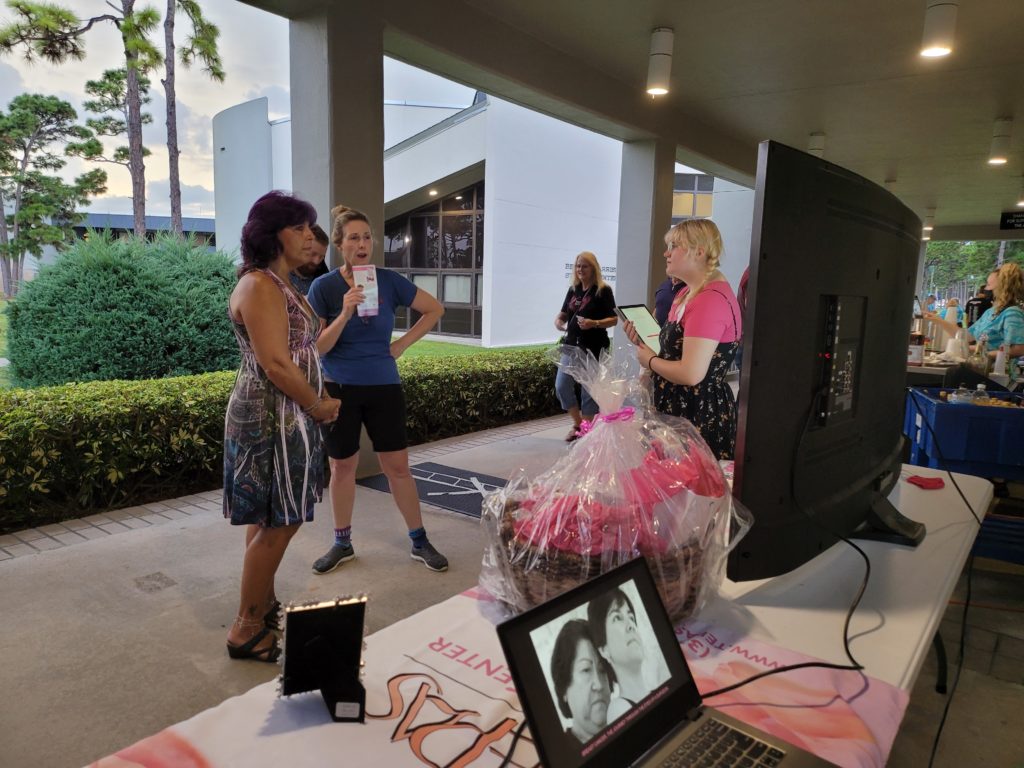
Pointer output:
x,y
109,637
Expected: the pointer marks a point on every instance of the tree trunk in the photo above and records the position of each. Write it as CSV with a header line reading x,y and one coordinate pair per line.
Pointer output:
x,y
5,262
8,279
172,119
1001,256
18,273
134,99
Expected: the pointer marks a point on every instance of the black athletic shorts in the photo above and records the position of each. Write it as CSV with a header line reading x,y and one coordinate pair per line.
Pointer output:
x,y
381,407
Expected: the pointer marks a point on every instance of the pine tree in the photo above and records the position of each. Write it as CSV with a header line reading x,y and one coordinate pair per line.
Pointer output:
x,y
201,45
43,206
56,34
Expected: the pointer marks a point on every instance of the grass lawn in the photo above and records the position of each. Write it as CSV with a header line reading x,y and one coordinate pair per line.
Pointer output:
x,y
424,348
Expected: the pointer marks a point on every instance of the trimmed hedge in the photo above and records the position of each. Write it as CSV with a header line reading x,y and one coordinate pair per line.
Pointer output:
x,y
80,448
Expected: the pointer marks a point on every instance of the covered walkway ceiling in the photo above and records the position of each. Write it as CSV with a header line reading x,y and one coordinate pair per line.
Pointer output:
x,y
748,70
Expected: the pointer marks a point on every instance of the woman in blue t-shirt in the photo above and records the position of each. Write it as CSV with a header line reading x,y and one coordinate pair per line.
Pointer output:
x,y
361,371
1002,324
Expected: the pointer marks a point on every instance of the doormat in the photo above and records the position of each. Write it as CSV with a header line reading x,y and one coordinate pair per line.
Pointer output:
x,y
457,490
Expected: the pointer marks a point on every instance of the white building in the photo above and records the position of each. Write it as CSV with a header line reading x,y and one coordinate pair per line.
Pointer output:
x,y
486,203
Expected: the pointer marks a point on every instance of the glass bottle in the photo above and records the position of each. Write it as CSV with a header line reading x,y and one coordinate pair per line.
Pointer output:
x,y
978,361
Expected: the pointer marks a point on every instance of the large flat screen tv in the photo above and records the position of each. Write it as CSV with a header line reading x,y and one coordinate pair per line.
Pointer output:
x,y
832,267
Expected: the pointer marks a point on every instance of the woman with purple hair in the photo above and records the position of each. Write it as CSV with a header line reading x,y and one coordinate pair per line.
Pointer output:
x,y
273,453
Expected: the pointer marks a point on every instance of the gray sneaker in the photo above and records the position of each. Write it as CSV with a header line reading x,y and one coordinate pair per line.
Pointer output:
x,y
430,557
336,555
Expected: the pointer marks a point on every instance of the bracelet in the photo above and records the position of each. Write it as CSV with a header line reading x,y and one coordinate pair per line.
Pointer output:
x,y
309,410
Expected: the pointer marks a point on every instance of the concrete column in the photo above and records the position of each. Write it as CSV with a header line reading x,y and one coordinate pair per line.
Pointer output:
x,y
337,101
645,214
337,98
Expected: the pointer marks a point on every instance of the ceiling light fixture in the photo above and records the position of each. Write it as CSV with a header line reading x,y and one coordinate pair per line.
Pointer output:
x,y
999,153
1020,200
939,28
929,220
816,144
659,65
432,193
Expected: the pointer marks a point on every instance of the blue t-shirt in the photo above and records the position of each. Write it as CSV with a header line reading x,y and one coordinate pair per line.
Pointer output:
x,y
1005,328
363,353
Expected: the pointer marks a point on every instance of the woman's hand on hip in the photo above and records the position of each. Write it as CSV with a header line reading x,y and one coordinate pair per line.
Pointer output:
x,y
398,347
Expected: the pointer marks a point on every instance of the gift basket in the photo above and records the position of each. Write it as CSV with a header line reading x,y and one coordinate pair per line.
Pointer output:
x,y
636,483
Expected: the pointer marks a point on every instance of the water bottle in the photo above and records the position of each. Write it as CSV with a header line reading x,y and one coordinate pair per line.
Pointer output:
x,y
962,395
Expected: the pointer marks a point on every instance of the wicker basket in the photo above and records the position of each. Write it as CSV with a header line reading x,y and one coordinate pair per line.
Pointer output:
x,y
539,575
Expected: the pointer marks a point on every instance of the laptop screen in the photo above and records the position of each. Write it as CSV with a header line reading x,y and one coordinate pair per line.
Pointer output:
x,y
599,671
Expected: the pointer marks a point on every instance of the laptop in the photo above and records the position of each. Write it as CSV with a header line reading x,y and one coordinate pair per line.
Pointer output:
x,y
603,682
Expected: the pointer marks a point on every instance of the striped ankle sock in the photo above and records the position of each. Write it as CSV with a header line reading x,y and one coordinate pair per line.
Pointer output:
x,y
343,536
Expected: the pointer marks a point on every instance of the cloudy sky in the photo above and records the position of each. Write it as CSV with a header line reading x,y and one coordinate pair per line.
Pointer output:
x,y
254,49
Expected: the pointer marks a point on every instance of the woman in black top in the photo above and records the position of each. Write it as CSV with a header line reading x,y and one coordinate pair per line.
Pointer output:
x,y
587,312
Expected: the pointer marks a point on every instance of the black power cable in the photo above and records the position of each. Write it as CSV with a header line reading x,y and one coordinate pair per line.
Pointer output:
x,y
970,572
854,665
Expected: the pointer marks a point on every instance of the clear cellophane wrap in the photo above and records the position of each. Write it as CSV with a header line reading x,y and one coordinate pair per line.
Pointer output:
x,y
636,483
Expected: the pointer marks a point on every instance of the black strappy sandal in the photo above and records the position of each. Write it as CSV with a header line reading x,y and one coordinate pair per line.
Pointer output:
x,y
272,618
248,650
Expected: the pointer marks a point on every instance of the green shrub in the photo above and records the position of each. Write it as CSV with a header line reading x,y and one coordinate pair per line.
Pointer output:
x,y
74,449
448,396
124,309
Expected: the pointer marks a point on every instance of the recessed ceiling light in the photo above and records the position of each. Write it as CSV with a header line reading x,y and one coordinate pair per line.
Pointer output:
x,y
433,193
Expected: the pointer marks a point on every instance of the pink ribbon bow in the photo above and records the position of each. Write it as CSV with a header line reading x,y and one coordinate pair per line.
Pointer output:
x,y
623,414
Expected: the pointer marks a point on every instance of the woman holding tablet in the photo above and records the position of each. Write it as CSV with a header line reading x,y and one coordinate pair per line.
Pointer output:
x,y
586,315
699,339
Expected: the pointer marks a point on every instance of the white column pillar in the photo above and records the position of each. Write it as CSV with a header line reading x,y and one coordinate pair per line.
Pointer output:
x,y
337,105
337,109
645,214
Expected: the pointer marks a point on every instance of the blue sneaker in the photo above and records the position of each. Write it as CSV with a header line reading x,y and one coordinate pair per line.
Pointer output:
x,y
430,557
336,555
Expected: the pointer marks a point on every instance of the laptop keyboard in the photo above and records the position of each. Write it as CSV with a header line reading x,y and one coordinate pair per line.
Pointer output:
x,y
715,744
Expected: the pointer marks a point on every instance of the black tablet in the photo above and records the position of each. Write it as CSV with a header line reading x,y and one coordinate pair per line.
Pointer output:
x,y
646,326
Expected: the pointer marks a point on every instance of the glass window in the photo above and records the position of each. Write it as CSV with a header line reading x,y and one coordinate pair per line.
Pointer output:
x,y
480,196
427,283
705,183
479,298
685,182
478,241
457,320
401,318
424,233
396,244
457,242
478,322
460,201
682,204
458,289
704,203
